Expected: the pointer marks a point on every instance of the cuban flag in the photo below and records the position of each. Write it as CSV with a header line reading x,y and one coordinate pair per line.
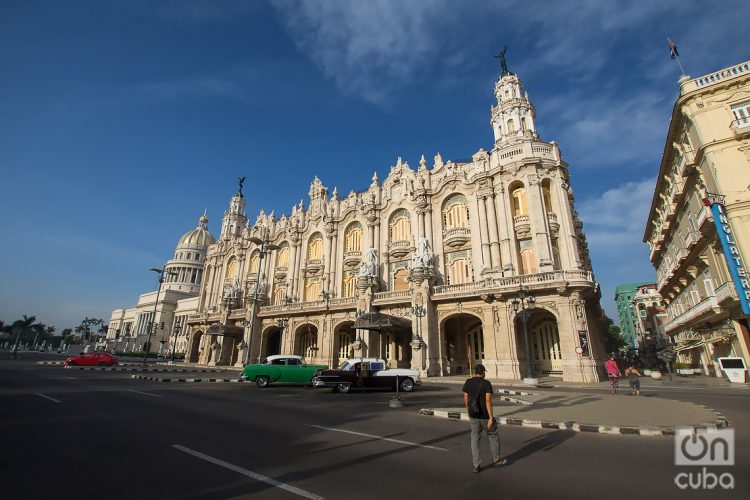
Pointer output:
x,y
672,48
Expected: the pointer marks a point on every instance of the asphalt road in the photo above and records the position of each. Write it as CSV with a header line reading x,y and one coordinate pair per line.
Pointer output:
x,y
76,434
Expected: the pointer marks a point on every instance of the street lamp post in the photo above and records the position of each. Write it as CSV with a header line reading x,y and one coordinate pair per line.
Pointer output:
x,y
523,305
152,327
175,330
419,311
265,247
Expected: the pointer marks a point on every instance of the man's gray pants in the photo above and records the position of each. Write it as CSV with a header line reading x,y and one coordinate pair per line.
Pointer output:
x,y
477,426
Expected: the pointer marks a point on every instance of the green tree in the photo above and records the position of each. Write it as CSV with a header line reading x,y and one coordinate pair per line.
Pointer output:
x,y
23,328
613,340
87,326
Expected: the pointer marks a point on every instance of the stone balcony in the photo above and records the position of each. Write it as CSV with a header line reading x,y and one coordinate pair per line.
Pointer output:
x,y
498,286
698,312
398,248
741,128
522,223
456,237
552,220
392,297
352,258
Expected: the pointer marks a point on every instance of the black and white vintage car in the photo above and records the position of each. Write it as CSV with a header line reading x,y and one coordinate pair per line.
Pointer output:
x,y
367,373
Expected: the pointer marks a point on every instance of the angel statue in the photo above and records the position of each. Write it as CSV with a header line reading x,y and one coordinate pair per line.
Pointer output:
x,y
370,266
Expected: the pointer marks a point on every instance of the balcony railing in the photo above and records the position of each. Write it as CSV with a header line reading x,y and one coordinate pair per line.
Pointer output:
x,y
691,314
725,292
392,294
539,280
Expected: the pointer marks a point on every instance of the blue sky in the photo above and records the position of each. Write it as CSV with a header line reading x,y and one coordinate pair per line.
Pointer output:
x,y
120,122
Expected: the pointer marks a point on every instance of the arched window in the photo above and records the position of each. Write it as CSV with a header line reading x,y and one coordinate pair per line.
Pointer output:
x,y
350,284
518,195
254,262
231,269
400,226
353,238
312,289
315,247
455,212
279,293
282,255
526,257
511,127
547,195
399,279
459,271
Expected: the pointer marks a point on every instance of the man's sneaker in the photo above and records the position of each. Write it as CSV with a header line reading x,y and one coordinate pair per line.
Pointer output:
x,y
476,468
501,463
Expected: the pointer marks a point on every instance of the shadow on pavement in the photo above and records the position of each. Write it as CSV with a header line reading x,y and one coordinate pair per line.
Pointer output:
x,y
544,442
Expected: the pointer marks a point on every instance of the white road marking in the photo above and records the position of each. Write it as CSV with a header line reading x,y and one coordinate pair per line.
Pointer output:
x,y
245,472
377,437
146,393
71,378
47,397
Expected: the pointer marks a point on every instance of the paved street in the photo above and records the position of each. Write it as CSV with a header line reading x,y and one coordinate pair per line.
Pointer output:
x,y
71,433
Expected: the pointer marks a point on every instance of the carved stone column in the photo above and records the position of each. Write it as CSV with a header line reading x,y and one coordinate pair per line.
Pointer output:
x,y
489,202
483,232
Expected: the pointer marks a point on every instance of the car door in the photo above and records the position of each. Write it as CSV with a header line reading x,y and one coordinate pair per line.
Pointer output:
x,y
295,371
378,379
88,359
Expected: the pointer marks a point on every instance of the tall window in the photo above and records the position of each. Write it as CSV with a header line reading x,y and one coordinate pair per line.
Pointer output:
x,y
282,255
526,257
353,238
455,212
741,113
556,263
459,271
518,196
231,269
279,293
511,127
345,343
312,289
400,226
399,279
315,247
254,262
350,284
547,196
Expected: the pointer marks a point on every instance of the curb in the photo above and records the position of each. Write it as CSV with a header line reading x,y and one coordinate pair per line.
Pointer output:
x,y
162,379
720,423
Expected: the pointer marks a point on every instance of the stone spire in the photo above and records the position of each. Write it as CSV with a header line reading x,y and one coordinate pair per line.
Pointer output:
x,y
234,219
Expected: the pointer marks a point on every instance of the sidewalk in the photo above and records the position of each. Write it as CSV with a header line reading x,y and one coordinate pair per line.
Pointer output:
x,y
586,412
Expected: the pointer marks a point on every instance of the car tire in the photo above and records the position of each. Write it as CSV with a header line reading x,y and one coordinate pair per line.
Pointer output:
x,y
344,388
72,363
102,363
262,381
407,385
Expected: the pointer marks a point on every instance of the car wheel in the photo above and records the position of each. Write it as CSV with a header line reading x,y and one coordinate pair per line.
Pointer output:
x,y
72,363
102,363
343,388
407,385
262,381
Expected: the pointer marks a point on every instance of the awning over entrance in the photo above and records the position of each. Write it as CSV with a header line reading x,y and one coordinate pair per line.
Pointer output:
x,y
380,322
217,329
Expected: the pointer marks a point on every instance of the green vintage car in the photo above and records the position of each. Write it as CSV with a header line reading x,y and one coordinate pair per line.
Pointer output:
x,y
280,368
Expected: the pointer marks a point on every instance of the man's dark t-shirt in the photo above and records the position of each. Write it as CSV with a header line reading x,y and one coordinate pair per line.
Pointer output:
x,y
477,388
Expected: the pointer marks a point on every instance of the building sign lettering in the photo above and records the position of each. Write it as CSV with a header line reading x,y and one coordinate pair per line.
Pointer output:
x,y
734,261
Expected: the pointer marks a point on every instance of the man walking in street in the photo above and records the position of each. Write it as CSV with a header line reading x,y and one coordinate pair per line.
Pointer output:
x,y
478,400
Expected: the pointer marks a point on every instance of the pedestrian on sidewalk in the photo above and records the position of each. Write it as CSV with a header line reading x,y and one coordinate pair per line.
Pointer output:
x,y
478,401
613,373
635,383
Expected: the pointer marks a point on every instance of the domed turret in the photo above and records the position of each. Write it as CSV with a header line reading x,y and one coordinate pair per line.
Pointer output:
x,y
185,269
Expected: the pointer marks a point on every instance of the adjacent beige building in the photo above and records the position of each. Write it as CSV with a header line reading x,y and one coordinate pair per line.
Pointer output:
x,y
707,152
433,255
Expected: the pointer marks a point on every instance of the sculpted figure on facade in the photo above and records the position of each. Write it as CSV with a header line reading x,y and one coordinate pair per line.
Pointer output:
x,y
423,257
370,266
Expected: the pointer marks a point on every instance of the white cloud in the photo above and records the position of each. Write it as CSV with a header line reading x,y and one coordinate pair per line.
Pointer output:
x,y
367,48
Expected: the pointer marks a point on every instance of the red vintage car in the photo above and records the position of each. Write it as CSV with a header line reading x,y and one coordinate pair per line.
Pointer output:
x,y
95,358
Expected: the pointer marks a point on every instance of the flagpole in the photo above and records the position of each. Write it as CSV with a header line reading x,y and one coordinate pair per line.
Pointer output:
x,y
673,51
677,58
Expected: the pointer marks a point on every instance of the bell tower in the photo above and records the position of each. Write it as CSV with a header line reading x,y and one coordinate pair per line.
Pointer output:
x,y
512,119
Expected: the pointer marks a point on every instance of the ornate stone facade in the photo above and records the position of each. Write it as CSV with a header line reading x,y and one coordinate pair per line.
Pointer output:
x,y
443,248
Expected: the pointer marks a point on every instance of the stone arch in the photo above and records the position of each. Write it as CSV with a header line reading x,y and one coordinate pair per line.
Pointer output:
x,y
462,336
545,346
353,237
271,341
455,212
306,341
282,256
399,225
344,336
195,345
315,246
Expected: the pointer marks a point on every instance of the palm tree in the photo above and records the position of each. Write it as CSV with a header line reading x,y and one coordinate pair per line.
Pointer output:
x,y
20,327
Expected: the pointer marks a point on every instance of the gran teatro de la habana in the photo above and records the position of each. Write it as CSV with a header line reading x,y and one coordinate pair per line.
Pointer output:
x,y
437,267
